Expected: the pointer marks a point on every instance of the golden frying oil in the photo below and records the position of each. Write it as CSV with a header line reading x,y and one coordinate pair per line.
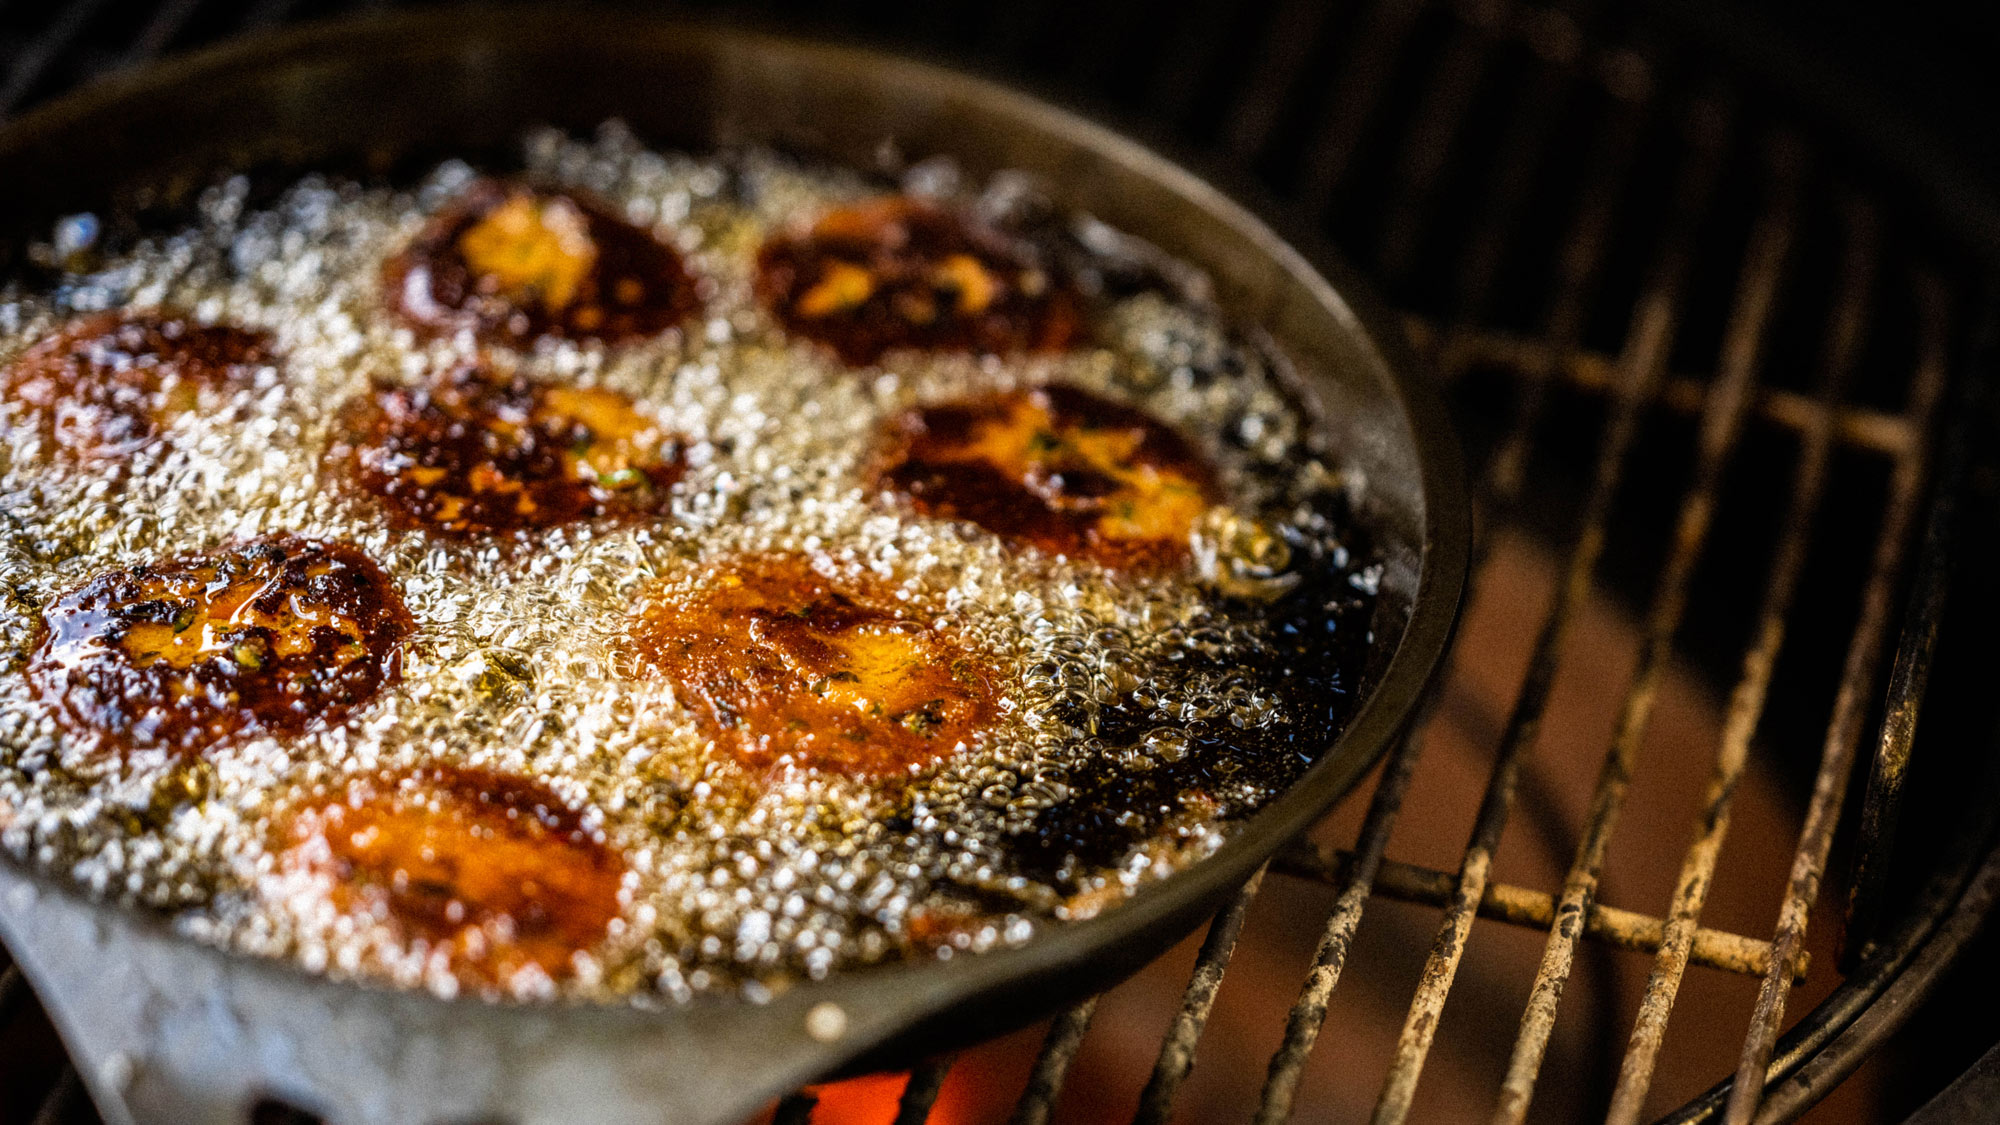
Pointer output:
x,y
1137,714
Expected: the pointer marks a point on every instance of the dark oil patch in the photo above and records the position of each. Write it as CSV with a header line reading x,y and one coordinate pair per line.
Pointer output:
x,y
104,386
782,667
1318,648
1056,467
471,453
898,272
493,870
266,637
512,263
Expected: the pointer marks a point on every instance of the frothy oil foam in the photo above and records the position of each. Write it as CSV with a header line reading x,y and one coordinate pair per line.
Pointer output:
x,y
1137,714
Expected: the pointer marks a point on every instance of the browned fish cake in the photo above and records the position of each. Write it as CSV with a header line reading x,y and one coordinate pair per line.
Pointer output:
x,y
265,637
901,273
472,452
1060,468
105,385
513,262
781,666
492,870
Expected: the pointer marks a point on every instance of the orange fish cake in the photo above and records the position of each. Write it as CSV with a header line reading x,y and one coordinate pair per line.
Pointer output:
x,y
265,637
901,273
512,263
105,385
780,665
492,871
472,453
1057,467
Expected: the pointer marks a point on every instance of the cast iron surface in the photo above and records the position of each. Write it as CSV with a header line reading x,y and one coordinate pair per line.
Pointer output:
x,y
162,1029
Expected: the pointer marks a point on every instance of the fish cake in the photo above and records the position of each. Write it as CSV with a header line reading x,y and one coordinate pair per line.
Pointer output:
x,y
492,874
104,386
1060,468
474,453
270,636
512,263
899,272
782,666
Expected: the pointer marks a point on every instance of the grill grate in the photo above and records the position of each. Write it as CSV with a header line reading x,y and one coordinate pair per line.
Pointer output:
x,y
1592,233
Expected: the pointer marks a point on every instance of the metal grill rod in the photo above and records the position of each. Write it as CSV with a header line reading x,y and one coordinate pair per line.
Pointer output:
x,y
1843,734
1583,255
1582,259
1555,41
1178,1048
1052,1065
1721,427
27,68
1654,322
1914,980
61,1099
795,1109
1282,56
1352,99
920,1091
13,989
1883,798
1308,1012
1864,1010
1864,428
1746,703
1426,145
1521,906
168,20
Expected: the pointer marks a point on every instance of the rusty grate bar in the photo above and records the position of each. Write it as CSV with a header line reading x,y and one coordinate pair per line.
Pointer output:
x,y
1812,1076
1178,1048
1555,41
1882,800
1746,702
1721,427
168,20
1420,165
1581,261
1582,257
61,1102
1874,431
921,1091
1308,1012
1052,1065
13,990
795,1109
1282,58
27,68
1521,906
1654,321
1843,735
1351,100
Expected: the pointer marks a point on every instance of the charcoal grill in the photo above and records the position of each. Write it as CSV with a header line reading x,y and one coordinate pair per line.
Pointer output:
x,y
1724,362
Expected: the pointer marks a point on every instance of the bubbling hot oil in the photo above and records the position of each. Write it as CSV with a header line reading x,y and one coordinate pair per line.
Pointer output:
x,y
1138,715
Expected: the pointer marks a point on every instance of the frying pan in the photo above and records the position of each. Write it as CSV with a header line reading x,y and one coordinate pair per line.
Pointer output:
x,y
163,1029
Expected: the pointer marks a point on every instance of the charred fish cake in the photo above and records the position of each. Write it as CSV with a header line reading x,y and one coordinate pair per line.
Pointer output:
x,y
786,668
511,263
184,654
472,453
1070,472
489,878
900,272
104,386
